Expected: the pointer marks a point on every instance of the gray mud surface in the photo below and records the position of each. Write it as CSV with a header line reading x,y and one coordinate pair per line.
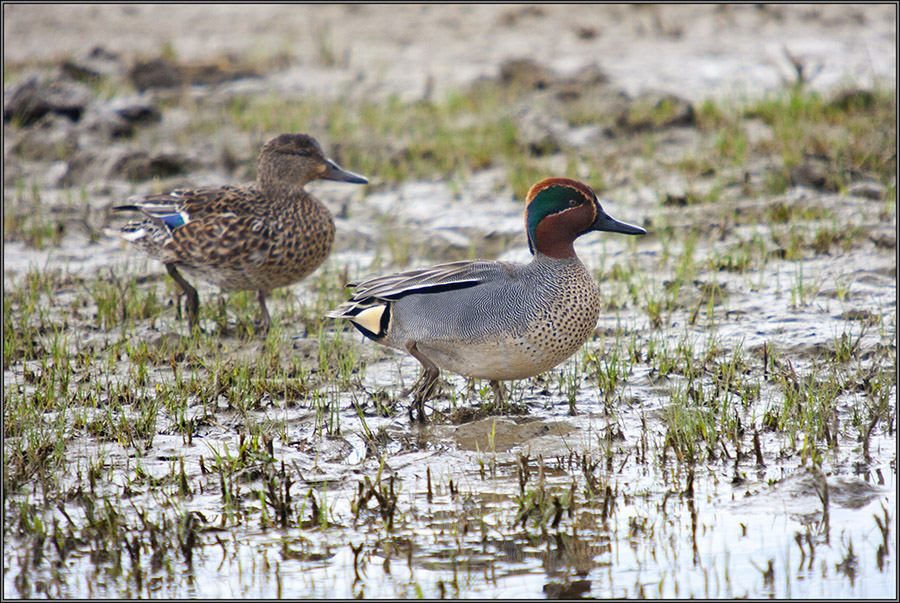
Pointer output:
x,y
584,485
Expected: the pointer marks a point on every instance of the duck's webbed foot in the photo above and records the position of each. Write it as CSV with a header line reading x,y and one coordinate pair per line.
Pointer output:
x,y
424,385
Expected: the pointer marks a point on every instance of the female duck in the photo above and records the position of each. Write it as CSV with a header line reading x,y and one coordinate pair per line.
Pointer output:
x,y
257,237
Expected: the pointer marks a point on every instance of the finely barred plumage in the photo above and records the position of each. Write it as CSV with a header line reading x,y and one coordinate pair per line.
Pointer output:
x,y
258,236
494,320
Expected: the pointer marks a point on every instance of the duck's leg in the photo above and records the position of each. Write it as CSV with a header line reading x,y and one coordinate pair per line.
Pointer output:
x,y
424,384
193,300
261,296
498,393
178,295
222,317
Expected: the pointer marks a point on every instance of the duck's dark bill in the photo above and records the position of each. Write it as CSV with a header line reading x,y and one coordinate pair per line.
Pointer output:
x,y
335,172
609,224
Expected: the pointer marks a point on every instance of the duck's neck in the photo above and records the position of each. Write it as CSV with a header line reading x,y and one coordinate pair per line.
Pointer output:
x,y
543,259
279,181
282,189
554,237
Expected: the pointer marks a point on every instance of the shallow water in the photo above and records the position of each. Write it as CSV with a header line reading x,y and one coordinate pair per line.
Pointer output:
x,y
653,539
465,506
467,544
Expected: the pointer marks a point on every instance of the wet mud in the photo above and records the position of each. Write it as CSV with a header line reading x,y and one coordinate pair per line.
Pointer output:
x,y
728,431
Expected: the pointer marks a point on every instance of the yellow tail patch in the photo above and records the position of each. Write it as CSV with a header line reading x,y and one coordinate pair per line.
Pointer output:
x,y
370,318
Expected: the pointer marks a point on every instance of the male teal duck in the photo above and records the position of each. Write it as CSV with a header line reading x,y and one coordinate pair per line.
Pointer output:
x,y
256,237
494,320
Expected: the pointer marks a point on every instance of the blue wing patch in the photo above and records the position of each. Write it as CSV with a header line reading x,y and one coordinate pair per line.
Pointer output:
x,y
172,220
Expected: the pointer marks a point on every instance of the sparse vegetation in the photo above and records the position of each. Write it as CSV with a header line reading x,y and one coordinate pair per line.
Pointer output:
x,y
745,359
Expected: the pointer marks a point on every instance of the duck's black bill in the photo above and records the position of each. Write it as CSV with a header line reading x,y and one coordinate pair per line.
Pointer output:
x,y
606,222
334,172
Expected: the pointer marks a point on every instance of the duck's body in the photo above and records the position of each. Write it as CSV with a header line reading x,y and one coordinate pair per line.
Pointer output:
x,y
505,321
495,320
257,237
236,237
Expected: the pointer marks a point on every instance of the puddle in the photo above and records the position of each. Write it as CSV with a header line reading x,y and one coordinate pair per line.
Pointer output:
x,y
729,431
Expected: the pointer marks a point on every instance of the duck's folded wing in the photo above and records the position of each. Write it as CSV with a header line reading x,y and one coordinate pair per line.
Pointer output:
x,y
167,208
444,277
180,206
455,275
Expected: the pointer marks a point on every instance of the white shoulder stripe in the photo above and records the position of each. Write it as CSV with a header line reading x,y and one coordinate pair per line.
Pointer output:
x,y
134,235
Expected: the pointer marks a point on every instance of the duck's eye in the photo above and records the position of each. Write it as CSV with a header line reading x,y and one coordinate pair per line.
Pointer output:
x,y
573,202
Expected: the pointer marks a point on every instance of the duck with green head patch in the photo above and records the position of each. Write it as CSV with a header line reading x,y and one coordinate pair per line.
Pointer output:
x,y
256,237
494,320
